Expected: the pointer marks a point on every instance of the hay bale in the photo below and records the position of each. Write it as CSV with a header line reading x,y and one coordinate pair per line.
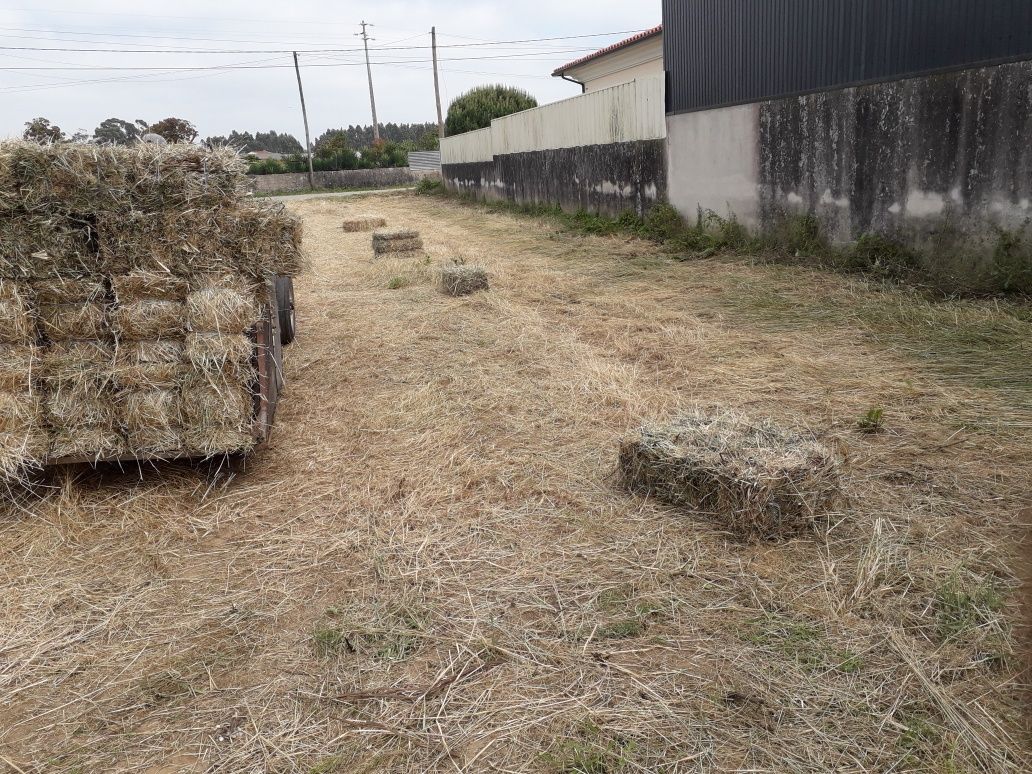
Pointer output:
x,y
60,322
150,319
142,285
72,404
226,307
461,280
47,245
406,247
87,442
18,366
214,351
19,411
753,478
363,223
395,235
68,361
21,452
149,365
151,421
217,413
68,290
17,318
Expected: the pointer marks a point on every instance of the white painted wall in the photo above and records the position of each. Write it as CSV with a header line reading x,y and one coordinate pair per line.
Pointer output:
x,y
640,60
625,113
713,162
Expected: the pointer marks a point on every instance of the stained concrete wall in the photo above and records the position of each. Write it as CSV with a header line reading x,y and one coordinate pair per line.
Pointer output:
x,y
942,164
348,178
606,179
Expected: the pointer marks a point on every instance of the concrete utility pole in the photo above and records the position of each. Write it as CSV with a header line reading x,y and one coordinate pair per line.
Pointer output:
x,y
437,84
304,113
369,72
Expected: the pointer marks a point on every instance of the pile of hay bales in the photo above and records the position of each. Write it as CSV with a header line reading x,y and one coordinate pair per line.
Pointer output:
x,y
401,243
461,280
755,479
363,223
131,280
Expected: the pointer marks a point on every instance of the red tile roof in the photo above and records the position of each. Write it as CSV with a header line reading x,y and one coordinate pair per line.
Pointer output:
x,y
610,49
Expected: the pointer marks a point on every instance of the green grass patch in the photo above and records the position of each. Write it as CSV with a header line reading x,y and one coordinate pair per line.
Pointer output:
x,y
964,606
397,282
590,751
803,642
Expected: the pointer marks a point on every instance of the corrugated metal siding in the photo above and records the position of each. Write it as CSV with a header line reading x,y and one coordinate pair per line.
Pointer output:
x,y
728,52
425,161
625,113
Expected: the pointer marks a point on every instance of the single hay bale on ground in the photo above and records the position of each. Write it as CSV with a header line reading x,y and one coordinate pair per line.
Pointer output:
x,y
17,320
394,235
60,322
149,319
364,223
753,478
461,280
214,351
226,308
398,247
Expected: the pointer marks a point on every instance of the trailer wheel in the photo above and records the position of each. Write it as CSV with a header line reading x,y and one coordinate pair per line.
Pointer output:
x,y
285,303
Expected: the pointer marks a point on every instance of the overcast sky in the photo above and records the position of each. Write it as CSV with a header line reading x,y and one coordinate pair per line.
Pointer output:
x,y
262,93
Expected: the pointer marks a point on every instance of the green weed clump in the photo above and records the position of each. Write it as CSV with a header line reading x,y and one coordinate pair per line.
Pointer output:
x,y
962,609
430,186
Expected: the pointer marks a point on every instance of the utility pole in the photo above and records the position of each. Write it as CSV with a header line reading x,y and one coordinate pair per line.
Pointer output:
x,y
437,84
304,112
369,72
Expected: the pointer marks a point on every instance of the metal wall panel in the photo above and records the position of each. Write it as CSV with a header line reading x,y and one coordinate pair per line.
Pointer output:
x,y
729,52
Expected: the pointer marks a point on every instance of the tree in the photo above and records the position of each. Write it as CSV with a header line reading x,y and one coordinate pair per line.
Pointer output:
x,y
430,141
478,107
42,131
175,130
333,142
115,131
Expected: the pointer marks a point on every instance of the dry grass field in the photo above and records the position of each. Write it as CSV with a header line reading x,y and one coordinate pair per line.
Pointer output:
x,y
431,568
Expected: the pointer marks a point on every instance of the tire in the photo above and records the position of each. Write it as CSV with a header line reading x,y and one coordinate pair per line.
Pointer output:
x,y
285,303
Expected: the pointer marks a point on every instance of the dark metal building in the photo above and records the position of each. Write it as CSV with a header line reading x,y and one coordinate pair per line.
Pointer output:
x,y
729,52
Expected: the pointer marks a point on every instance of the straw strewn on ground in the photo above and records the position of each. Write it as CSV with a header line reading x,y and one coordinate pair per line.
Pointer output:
x,y
434,568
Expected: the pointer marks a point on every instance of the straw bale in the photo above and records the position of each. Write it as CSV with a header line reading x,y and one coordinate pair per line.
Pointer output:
x,y
96,442
225,306
208,351
399,247
142,365
753,478
21,451
19,411
363,223
217,414
78,403
395,235
144,410
73,321
149,319
68,290
461,280
267,240
65,361
45,245
18,365
155,441
149,286
17,320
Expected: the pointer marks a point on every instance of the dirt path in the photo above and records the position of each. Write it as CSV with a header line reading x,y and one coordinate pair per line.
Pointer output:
x,y
431,569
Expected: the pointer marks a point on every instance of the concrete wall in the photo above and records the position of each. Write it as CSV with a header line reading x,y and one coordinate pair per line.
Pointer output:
x,y
602,152
942,163
349,178
607,179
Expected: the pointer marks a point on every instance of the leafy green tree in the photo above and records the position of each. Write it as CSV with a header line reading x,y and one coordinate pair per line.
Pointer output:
x,y
42,131
115,131
430,141
175,130
478,107
333,142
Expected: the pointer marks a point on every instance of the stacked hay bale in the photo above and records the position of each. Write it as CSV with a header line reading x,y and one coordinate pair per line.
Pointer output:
x,y
401,243
131,281
363,223
460,280
753,478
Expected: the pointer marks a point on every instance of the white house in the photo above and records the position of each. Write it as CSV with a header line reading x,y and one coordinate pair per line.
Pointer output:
x,y
637,57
